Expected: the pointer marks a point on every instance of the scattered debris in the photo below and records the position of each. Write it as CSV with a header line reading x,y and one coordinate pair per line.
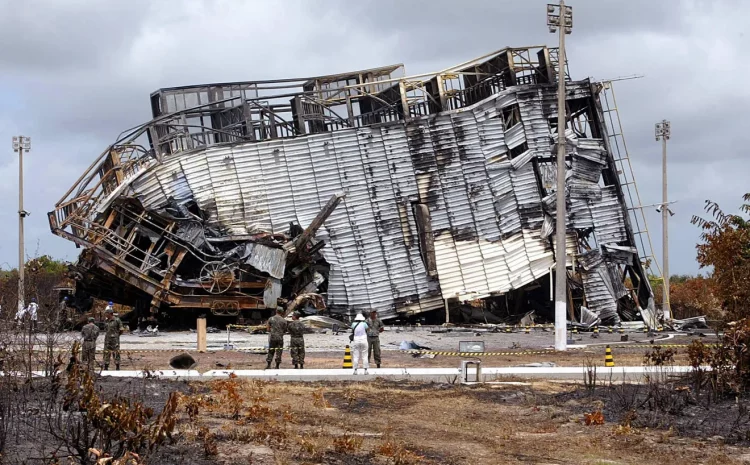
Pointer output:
x,y
149,331
698,322
322,322
411,345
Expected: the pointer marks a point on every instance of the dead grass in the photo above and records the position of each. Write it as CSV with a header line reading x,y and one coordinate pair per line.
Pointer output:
x,y
409,424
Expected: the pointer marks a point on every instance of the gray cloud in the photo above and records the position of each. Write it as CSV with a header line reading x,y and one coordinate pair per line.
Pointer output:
x,y
77,73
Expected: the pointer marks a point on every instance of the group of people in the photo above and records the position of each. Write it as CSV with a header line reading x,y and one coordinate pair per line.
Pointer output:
x,y
113,328
365,339
31,311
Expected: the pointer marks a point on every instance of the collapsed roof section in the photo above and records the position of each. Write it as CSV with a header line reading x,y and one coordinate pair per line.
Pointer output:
x,y
448,178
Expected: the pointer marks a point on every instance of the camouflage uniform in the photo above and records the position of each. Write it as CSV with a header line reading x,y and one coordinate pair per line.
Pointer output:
x,y
112,341
89,333
277,327
373,338
297,342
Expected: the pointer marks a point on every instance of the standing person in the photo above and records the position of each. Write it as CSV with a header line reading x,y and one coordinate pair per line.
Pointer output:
x,y
20,314
297,341
359,343
32,310
89,334
276,327
374,328
113,330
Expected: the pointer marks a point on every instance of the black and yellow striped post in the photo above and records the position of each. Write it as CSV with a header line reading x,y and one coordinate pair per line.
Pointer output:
x,y
596,330
575,331
621,331
645,329
609,360
527,330
659,329
610,330
508,329
347,358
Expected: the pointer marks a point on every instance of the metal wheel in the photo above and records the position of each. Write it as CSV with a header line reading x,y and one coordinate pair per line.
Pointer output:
x,y
217,277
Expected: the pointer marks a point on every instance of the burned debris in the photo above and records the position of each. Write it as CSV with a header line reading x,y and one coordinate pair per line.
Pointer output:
x,y
361,190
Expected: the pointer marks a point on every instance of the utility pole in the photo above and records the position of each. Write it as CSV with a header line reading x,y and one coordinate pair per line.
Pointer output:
x,y
560,18
21,143
663,131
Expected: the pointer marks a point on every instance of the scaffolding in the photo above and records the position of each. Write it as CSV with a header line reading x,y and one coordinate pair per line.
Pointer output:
x,y
619,149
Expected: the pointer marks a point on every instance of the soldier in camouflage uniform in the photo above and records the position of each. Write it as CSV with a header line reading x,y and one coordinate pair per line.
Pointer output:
x,y
374,328
112,334
297,341
89,334
276,327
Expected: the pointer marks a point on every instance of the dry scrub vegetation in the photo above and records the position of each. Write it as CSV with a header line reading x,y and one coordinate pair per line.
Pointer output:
x,y
255,422
72,418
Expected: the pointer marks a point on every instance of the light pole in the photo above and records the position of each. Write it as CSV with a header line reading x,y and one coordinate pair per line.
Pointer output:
x,y
663,131
21,143
560,18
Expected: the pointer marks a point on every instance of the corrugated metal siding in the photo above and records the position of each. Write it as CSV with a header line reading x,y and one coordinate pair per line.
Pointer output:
x,y
486,210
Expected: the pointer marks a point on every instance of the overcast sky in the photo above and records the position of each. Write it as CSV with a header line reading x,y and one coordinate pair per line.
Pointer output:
x,y
75,73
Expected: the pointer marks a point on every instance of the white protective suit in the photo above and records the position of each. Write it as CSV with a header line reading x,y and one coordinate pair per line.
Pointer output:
x,y
359,344
32,311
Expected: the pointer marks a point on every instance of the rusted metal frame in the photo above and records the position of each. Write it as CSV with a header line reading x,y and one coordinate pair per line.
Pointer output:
x,y
107,224
323,104
210,130
166,283
151,247
167,234
207,302
258,85
116,165
102,235
318,221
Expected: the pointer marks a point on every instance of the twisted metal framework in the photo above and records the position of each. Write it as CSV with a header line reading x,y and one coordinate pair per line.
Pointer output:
x,y
135,255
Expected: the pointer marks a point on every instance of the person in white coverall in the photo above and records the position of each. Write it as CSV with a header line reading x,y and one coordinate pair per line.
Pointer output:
x,y
20,314
359,343
32,312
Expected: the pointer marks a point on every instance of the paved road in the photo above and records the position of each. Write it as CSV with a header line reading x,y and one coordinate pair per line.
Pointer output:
x,y
390,340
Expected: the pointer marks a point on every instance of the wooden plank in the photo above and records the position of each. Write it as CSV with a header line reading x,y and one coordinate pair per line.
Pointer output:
x,y
201,330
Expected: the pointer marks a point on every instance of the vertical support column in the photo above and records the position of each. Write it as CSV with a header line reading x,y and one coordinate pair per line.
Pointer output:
x,y
201,332
404,100
665,232
21,215
561,274
441,92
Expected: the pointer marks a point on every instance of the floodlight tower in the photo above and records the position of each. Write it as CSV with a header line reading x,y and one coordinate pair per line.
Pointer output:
x,y
560,18
21,143
663,131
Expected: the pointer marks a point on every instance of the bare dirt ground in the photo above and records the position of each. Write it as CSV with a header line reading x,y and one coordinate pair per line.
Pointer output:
x,y
411,423
235,421
326,351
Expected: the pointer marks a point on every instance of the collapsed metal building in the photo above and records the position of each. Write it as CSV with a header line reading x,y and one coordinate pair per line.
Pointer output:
x,y
366,189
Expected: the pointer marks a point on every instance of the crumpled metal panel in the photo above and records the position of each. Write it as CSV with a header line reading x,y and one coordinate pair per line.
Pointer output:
x,y
609,223
271,260
254,190
271,293
227,194
486,211
600,291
